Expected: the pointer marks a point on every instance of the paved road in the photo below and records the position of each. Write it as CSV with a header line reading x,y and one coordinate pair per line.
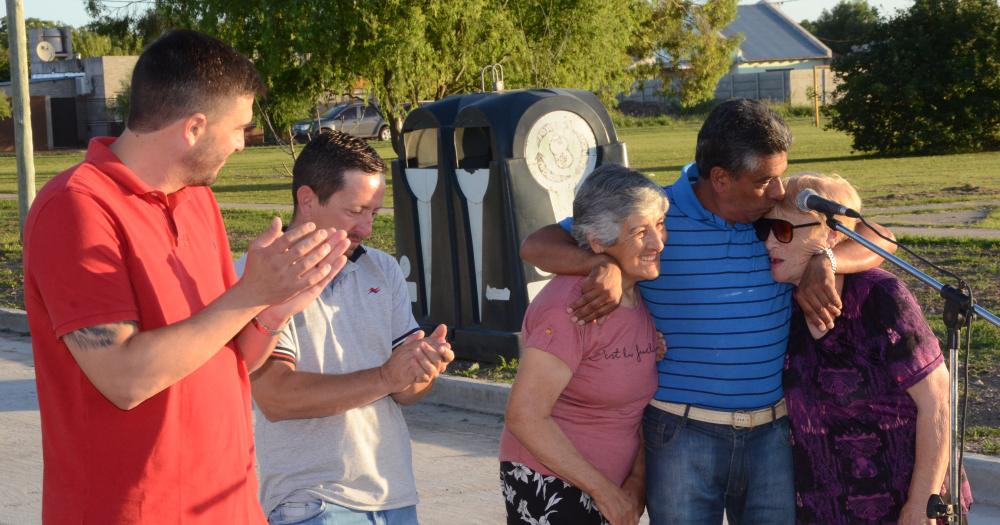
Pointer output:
x,y
454,454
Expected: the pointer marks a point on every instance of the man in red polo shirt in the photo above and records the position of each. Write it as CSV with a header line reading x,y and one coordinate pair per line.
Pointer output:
x,y
142,335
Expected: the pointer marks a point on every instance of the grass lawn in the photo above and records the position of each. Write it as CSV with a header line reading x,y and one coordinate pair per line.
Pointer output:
x,y
262,174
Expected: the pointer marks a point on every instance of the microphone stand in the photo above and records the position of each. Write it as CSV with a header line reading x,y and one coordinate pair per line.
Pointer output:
x,y
957,309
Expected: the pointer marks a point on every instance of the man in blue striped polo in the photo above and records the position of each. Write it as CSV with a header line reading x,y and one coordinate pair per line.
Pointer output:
x,y
716,432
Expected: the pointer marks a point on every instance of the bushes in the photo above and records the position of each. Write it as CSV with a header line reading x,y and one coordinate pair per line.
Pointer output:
x,y
640,115
930,83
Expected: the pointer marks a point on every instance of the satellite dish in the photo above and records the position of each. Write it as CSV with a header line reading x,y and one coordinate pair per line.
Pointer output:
x,y
45,51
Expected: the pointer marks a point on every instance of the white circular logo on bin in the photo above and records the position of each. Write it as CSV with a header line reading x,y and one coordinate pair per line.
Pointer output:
x,y
560,149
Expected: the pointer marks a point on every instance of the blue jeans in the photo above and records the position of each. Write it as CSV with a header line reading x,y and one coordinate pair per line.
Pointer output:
x,y
696,470
318,512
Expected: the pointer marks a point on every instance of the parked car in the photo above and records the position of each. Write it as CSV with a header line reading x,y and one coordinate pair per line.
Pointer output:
x,y
356,118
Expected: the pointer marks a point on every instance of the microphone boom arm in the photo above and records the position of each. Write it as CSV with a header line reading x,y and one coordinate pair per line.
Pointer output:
x,y
909,268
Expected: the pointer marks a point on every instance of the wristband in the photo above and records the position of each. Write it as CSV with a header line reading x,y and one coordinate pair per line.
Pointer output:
x,y
833,260
266,330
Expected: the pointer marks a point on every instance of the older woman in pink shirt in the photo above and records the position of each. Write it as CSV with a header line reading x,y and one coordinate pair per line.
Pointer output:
x,y
571,449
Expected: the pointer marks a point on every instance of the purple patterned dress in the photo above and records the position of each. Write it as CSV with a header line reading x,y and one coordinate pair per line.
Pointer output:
x,y
853,424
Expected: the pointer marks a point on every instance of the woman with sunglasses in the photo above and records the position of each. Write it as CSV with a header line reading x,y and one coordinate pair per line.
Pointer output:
x,y
868,399
571,449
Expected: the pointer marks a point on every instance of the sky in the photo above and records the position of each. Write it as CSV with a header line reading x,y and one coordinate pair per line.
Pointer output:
x,y
72,12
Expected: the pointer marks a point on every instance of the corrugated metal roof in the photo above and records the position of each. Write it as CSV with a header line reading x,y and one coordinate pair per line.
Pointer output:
x,y
770,35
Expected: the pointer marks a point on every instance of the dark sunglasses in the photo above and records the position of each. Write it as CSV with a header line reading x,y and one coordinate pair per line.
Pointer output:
x,y
782,230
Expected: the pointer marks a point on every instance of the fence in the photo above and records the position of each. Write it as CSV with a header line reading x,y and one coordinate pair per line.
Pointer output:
x,y
792,86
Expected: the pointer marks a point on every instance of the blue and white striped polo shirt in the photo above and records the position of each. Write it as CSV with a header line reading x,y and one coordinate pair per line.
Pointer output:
x,y
724,317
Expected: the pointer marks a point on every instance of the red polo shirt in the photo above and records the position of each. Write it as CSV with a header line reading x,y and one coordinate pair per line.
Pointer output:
x,y
103,247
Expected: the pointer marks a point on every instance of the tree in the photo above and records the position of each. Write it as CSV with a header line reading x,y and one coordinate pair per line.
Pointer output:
x,y
692,54
411,51
929,82
849,24
576,43
407,51
5,109
91,44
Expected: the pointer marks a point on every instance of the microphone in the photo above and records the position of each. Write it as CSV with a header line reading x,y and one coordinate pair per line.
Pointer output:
x,y
808,200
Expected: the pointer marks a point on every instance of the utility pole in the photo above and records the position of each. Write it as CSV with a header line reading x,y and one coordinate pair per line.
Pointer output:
x,y
23,144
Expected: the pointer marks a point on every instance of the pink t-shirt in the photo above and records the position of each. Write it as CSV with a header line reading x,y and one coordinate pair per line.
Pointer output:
x,y
614,377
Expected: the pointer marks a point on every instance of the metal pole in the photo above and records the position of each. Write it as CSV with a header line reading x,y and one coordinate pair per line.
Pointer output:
x,y
816,96
21,98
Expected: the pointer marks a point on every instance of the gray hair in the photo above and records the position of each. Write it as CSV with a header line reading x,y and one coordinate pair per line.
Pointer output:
x,y
609,195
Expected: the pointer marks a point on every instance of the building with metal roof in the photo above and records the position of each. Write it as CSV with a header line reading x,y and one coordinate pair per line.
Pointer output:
x,y
774,42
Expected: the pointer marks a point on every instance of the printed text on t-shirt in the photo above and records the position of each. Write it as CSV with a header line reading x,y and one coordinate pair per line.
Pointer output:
x,y
622,353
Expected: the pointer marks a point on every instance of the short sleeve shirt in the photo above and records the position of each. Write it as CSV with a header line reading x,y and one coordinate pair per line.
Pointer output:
x,y
360,459
103,247
853,422
724,317
614,377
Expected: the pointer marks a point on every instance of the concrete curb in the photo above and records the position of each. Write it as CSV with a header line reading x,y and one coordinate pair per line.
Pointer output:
x,y
13,320
470,394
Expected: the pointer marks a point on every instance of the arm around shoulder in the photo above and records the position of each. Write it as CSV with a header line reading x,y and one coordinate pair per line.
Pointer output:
x,y
553,250
852,257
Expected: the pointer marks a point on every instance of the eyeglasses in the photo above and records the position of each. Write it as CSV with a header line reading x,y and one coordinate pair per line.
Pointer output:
x,y
782,230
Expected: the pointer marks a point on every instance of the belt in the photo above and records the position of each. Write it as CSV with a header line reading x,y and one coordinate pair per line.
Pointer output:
x,y
737,419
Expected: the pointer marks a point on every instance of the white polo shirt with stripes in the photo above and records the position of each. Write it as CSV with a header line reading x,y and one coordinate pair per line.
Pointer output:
x,y
360,459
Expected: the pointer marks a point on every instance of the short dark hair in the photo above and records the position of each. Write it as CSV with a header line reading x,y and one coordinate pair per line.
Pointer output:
x,y
185,72
737,133
322,163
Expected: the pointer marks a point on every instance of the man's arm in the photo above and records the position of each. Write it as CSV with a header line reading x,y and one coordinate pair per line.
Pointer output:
x,y
553,250
283,393
129,366
817,291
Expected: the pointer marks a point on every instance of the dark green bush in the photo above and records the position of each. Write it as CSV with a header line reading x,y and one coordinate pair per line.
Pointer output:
x,y
930,83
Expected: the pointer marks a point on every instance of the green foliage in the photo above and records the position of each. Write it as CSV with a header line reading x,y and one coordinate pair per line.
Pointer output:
x,y
90,44
298,47
850,23
692,53
502,372
414,50
103,41
406,51
126,29
11,265
576,43
5,107
121,102
987,437
930,83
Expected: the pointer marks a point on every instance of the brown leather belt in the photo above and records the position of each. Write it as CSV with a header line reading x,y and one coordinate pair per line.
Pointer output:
x,y
736,419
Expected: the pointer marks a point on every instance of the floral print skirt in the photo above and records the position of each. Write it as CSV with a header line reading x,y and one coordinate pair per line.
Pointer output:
x,y
538,499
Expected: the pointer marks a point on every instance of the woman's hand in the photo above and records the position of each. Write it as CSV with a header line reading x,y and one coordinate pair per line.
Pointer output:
x,y
618,507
